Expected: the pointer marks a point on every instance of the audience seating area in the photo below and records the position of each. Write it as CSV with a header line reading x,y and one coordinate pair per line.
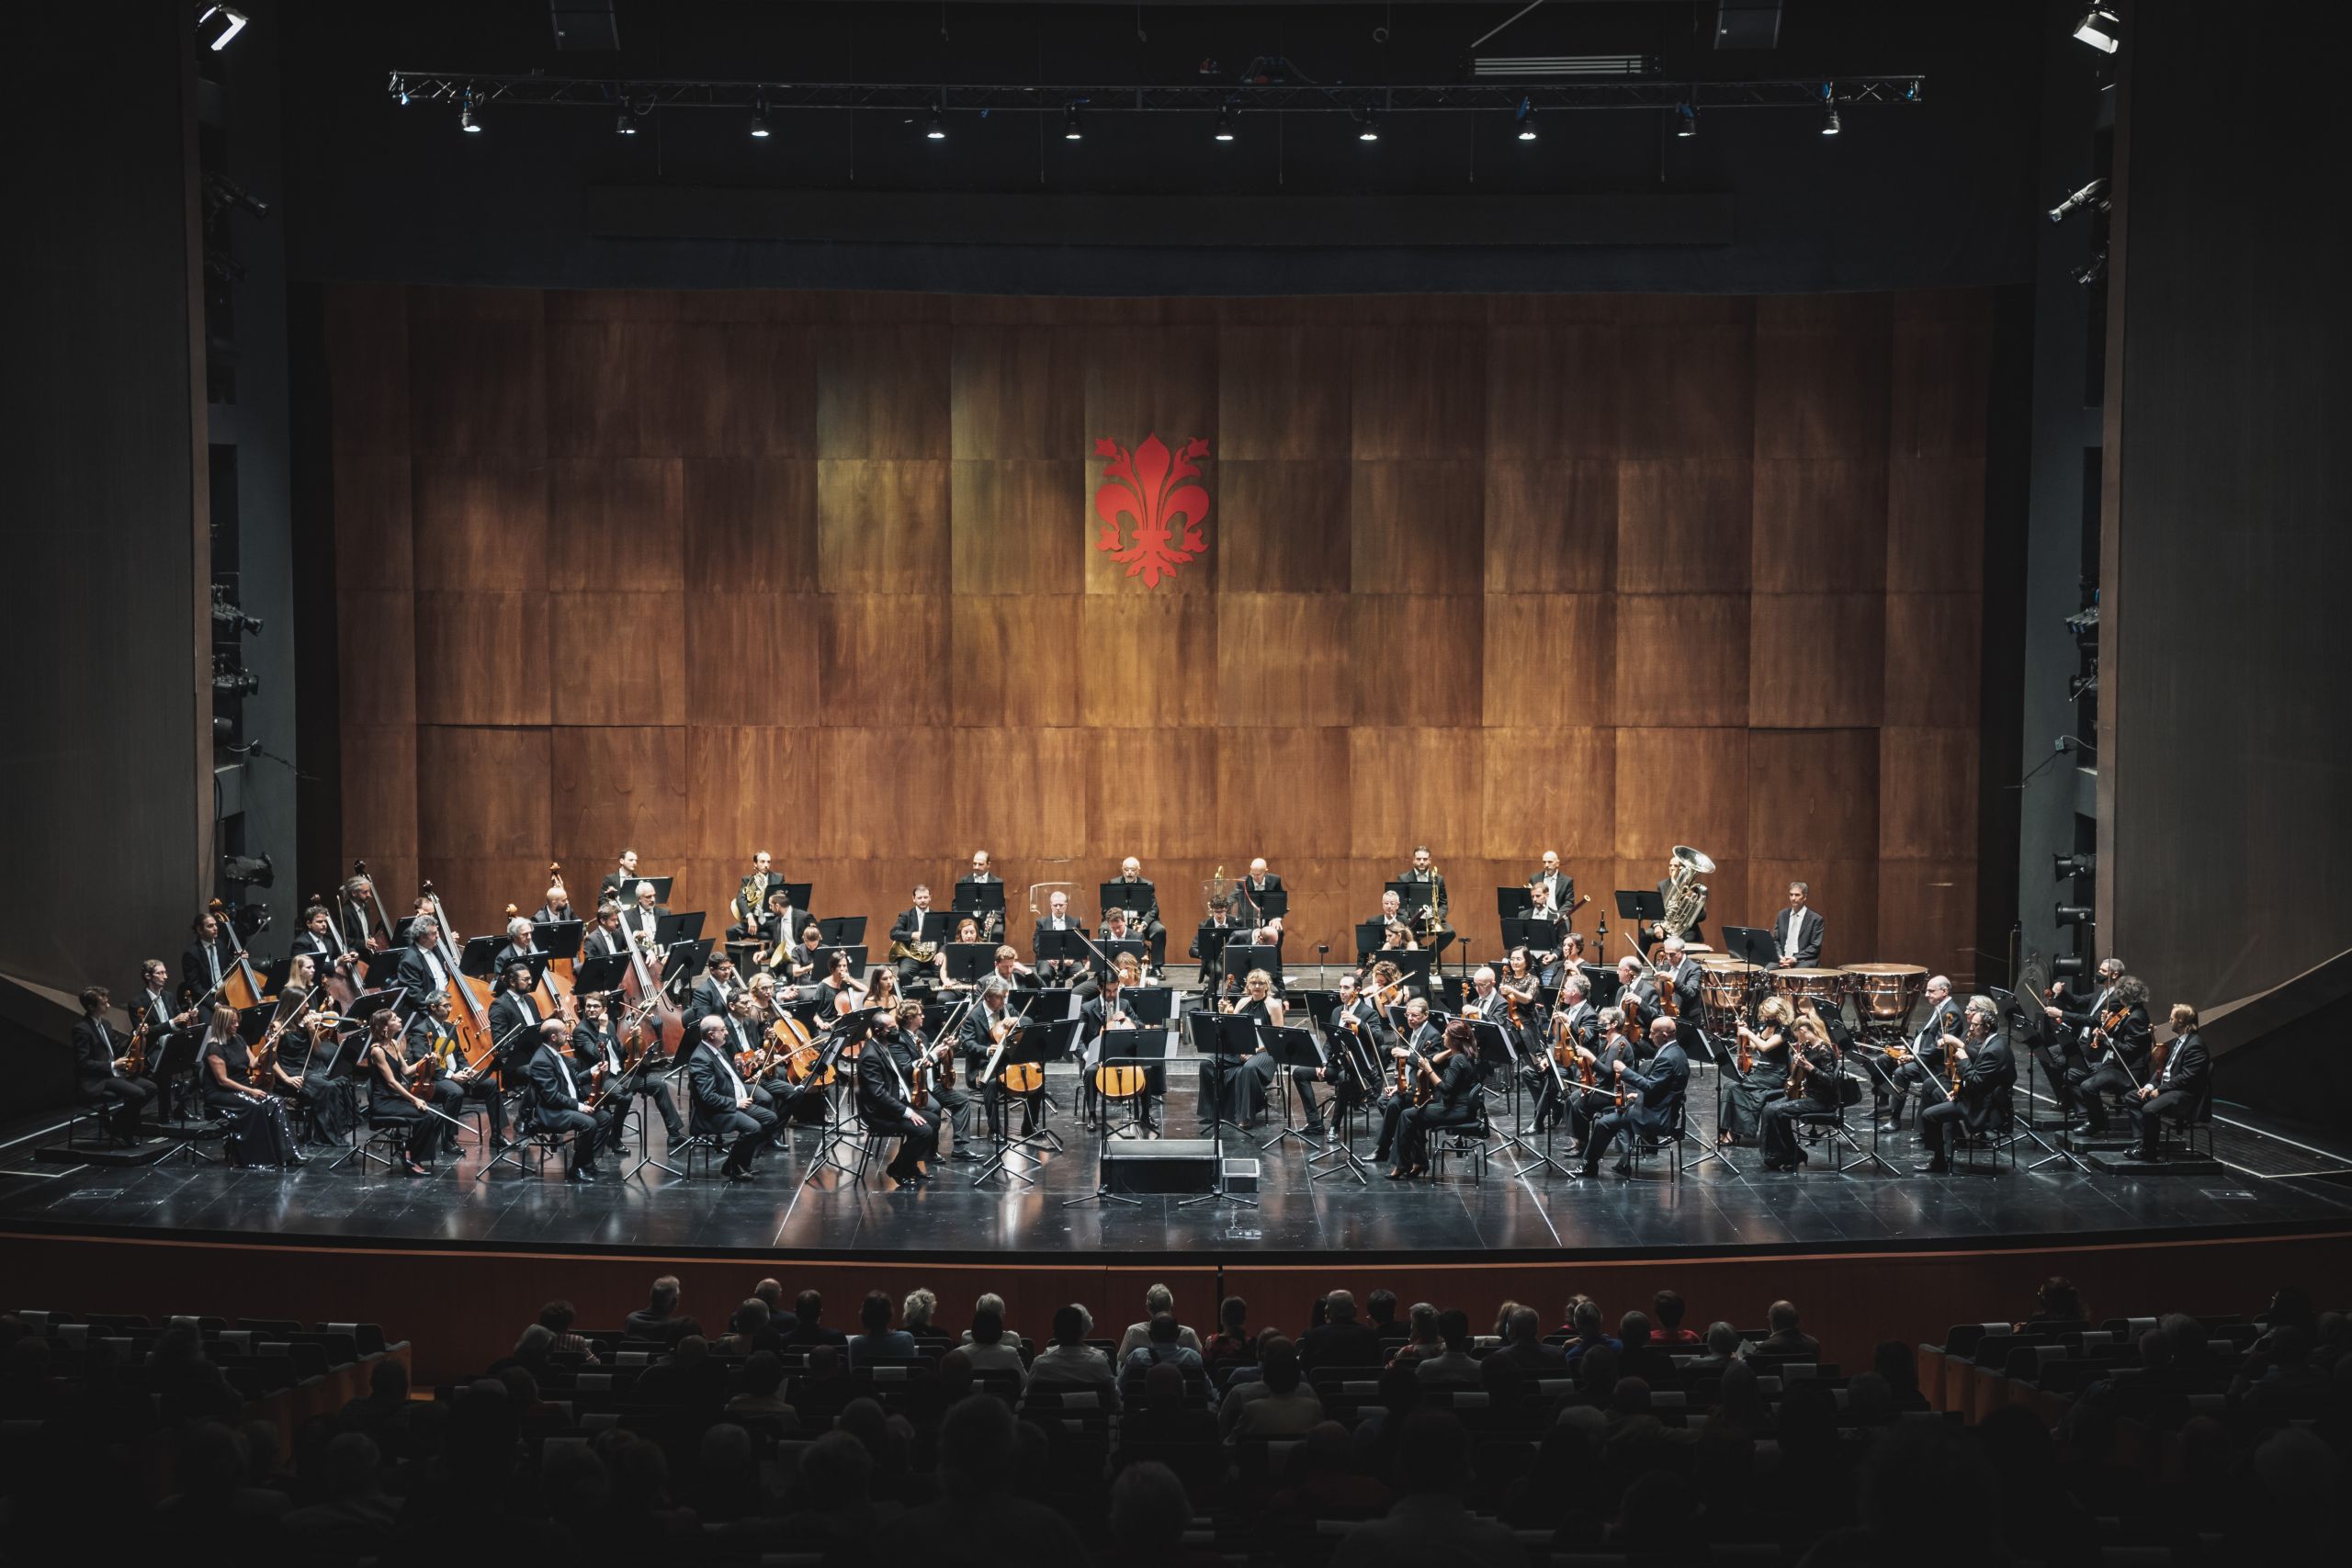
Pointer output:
x,y
1568,1436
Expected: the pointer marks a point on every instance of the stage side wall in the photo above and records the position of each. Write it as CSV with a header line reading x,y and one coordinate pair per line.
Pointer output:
x,y
707,573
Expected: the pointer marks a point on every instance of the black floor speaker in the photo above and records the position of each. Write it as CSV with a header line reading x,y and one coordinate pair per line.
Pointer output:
x,y
1160,1165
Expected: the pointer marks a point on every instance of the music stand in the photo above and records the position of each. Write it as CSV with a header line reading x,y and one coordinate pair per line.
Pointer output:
x,y
842,1109
1133,896
671,929
1141,1047
1036,1042
1640,907
480,957
606,973
1208,942
559,939
984,900
1369,935
1291,1047
1536,935
1270,959
1224,1041
968,961
1059,948
1514,903
842,930
1107,951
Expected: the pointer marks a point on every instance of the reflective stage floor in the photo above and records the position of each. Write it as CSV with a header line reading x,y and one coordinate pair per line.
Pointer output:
x,y
2268,1182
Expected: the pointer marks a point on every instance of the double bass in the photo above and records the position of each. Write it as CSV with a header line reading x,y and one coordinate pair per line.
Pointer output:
x,y
468,1011
240,987
651,1010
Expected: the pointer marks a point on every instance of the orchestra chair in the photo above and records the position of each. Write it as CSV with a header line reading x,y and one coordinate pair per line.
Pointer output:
x,y
1998,1141
379,1141
1474,1142
2199,1116
1640,1146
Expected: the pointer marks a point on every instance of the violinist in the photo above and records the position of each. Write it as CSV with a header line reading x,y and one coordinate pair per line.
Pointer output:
x,y
1756,1072
1811,1090
1617,1042
1924,1057
943,1103
1636,991
101,1071
210,958
557,1100
883,1109
2116,1056
713,994
1012,972
1449,1084
1357,1041
1558,966
1420,1041
1244,1080
749,1048
393,1095
2178,1087
1576,1025
431,1038
1483,1004
302,1068
606,937
1987,1072
723,1106
2064,1040
259,1134
1522,994
1654,1107
164,1016
592,1040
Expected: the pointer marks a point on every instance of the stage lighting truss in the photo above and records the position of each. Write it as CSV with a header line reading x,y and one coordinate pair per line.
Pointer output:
x,y
472,93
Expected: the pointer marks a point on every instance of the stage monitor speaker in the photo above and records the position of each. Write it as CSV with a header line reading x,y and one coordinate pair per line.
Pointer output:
x,y
1160,1165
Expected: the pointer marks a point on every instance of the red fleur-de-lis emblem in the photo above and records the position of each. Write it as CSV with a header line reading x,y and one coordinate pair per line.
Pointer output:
x,y
1159,495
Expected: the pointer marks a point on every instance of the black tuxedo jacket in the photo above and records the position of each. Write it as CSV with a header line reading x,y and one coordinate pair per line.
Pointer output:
x,y
96,1045
908,927
551,1089
1662,1085
2187,1068
1563,892
415,977
708,1083
321,949
1436,886
637,917
517,1028
1808,953
1986,1079
601,943
192,966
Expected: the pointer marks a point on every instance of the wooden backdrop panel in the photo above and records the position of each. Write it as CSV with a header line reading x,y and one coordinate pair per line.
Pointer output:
x,y
1502,574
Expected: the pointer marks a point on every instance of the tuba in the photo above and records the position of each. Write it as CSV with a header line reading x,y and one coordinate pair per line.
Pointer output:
x,y
1685,894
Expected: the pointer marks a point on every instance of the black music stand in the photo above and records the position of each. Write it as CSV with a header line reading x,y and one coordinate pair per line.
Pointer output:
x,y
1270,959
1639,907
841,1110
1209,941
1533,934
968,961
1338,1141
842,930
1037,1042
1227,1036
1107,951
1142,1047
983,899
1061,948
1370,934
480,955
1133,896
559,939
1514,903
1289,1046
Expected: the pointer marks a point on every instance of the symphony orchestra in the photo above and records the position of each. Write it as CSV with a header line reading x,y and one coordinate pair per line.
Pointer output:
x,y
389,1038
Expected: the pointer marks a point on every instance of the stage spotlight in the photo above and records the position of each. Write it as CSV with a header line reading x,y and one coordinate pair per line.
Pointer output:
x,y
2092,196
1686,121
2075,915
1071,129
1224,131
2065,868
1526,121
2100,29
1830,124
934,131
624,126
760,120
2091,271
2066,968
1370,129
466,121
218,26
400,89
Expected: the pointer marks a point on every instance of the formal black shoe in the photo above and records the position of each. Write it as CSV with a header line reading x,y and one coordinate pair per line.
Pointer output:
x,y
2149,1156
297,1162
1592,1172
1623,1167
1934,1168
619,1151
735,1173
500,1144
583,1176
410,1168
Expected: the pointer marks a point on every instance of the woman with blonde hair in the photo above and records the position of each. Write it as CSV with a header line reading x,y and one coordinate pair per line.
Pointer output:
x,y
1766,1048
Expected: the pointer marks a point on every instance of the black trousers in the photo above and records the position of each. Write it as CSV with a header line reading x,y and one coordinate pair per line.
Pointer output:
x,y
121,1100
1155,938
1908,1078
993,1099
1587,1106
1344,1092
915,1143
643,1085
1781,1118
956,1106
485,1089
1604,1133
1941,1126
588,1127
2148,1116
423,1138
1416,1125
2065,1067
2110,1077
746,1129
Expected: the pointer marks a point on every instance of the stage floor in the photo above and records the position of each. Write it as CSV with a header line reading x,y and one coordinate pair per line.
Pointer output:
x,y
2269,1181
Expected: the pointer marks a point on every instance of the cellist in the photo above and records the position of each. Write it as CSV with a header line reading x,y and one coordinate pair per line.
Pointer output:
x,y
594,1041
432,1037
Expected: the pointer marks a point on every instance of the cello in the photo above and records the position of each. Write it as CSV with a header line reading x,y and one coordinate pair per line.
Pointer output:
x,y
469,1012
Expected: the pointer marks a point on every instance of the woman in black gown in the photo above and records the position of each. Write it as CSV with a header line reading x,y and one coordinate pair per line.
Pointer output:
x,y
1768,1074
259,1133
1243,1080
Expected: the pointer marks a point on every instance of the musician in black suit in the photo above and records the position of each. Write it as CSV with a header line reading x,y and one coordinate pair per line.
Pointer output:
x,y
1452,1102
1575,1015
557,907
1636,991
429,1038
2058,1044
641,914
208,958
422,974
1660,1084
883,1109
983,875
2115,1060
750,905
1680,972
1421,1040
722,1100
356,900
1355,1044
740,1034
947,1105
976,1043
592,1040
320,942
713,993
1559,889
1796,932
606,937
1142,904
1423,872
906,935
620,880
557,1097
522,946
1927,1055
1246,906
100,1057
1058,917
165,1017
515,1014
2179,1088
1610,1043
1987,1073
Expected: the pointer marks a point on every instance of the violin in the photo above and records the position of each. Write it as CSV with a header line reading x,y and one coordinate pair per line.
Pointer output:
x,y
134,1059
1426,1091
2106,1027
